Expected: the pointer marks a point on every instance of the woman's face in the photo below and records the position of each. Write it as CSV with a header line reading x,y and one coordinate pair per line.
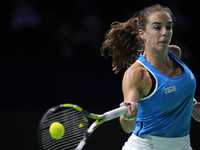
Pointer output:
x,y
158,31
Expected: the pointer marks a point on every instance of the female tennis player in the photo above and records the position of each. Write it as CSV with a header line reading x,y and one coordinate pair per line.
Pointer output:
x,y
158,87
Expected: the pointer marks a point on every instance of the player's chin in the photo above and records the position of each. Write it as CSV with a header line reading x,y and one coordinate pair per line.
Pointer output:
x,y
161,47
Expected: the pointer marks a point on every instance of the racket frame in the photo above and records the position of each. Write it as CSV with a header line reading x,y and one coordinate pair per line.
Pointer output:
x,y
100,118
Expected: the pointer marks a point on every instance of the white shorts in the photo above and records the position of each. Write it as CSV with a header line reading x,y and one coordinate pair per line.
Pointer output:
x,y
157,143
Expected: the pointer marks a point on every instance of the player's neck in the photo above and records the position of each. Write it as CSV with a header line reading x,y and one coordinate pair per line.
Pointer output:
x,y
160,60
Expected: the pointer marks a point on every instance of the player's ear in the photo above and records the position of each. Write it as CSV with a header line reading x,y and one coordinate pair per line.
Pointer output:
x,y
141,33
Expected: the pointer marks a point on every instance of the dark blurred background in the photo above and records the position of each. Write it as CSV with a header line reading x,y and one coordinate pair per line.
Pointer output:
x,y
50,54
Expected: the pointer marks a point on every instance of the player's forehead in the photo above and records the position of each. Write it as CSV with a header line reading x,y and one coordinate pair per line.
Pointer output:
x,y
159,17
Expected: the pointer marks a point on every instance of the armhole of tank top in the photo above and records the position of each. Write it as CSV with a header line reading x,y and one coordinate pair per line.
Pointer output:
x,y
154,79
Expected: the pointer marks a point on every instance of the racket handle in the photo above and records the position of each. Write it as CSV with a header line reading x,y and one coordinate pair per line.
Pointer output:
x,y
80,145
115,113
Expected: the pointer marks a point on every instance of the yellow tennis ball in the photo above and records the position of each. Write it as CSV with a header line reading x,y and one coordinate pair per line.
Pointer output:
x,y
56,130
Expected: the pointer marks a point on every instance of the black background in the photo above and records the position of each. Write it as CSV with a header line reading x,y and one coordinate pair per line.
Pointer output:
x,y
50,54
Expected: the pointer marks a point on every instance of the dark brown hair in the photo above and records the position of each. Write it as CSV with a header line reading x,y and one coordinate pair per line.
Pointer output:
x,y
122,40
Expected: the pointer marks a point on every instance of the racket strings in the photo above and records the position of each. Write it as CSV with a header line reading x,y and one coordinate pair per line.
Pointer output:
x,y
58,115
75,127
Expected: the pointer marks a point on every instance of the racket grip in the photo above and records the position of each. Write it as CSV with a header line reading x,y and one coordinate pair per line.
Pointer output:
x,y
115,113
80,145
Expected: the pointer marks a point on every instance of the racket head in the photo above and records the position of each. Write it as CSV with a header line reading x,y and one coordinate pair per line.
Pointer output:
x,y
74,121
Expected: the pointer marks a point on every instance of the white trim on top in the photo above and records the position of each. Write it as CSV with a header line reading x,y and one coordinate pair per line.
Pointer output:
x,y
155,79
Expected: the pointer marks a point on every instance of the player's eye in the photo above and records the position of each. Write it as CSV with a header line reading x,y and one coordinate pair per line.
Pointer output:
x,y
169,27
157,27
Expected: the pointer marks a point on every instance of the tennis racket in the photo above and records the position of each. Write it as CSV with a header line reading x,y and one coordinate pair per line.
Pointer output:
x,y
76,122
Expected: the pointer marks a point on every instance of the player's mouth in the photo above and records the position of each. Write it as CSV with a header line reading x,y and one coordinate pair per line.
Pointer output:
x,y
164,42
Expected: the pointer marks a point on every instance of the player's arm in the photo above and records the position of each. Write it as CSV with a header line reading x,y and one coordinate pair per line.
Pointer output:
x,y
196,111
131,93
175,50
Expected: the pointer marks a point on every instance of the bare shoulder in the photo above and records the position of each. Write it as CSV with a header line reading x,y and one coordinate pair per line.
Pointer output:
x,y
134,74
137,80
175,50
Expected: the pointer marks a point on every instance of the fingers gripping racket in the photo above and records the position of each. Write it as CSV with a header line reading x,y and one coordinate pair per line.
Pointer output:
x,y
76,123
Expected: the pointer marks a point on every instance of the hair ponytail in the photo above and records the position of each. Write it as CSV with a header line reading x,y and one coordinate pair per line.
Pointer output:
x,y
122,42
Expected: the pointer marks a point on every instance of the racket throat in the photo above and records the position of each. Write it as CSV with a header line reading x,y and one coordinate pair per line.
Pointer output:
x,y
81,144
93,127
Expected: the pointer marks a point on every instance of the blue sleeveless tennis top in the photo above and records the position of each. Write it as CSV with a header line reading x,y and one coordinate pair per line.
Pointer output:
x,y
167,111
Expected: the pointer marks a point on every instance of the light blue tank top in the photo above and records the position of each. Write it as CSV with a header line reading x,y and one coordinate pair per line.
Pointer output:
x,y
166,112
